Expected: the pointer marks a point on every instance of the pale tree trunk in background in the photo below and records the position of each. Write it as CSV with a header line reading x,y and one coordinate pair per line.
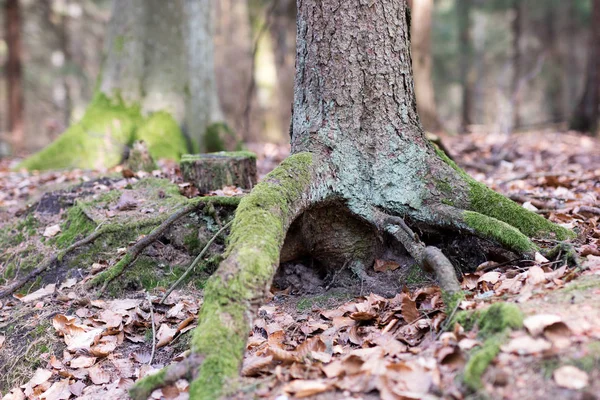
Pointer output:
x,y
157,80
465,49
233,55
555,86
585,116
517,29
421,11
204,107
283,34
14,74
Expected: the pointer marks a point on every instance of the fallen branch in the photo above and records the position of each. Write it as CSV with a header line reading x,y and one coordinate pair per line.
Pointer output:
x,y
196,260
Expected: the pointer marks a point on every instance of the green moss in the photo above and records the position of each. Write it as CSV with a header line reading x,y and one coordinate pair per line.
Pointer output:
x,y
76,226
162,135
95,141
452,300
217,136
108,126
499,231
143,387
485,201
119,43
497,318
416,276
494,323
252,256
479,360
16,233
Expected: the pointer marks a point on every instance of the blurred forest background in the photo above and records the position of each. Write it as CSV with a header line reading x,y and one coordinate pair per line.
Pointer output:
x,y
494,66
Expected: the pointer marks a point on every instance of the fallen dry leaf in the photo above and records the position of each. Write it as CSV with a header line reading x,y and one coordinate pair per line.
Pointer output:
x,y
305,388
571,377
524,345
38,294
537,323
164,335
51,231
58,391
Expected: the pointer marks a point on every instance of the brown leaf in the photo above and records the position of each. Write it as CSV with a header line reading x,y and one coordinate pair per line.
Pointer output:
x,y
305,388
164,335
82,362
254,365
38,294
98,376
58,391
410,313
385,265
571,377
535,275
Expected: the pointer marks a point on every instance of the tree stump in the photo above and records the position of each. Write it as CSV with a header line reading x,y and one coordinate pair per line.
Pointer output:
x,y
213,171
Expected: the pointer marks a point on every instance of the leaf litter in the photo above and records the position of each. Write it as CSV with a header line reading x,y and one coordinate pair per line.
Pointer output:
x,y
390,348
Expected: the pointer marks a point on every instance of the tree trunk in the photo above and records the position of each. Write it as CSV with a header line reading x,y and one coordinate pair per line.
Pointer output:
x,y
422,64
14,74
465,50
362,175
585,116
516,61
157,82
283,32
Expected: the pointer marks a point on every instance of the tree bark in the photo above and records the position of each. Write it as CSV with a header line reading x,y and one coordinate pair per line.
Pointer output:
x,y
361,176
465,49
586,113
422,64
14,74
516,61
157,83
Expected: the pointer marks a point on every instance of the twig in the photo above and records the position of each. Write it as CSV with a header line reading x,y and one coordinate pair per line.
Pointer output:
x,y
196,260
153,328
448,321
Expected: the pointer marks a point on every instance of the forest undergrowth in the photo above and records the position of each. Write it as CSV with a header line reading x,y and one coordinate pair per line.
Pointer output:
x,y
524,329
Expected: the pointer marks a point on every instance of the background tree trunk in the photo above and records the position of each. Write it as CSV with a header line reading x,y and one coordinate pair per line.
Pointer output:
x,y
157,81
585,116
463,9
421,11
14,73
517,30
283,33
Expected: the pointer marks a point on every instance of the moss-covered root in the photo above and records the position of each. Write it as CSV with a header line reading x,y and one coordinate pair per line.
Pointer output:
x,y
484,201
494,323
234,292
188,368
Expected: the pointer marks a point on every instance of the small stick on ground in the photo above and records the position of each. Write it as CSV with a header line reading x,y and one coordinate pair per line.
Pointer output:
x,y
196,261
153,328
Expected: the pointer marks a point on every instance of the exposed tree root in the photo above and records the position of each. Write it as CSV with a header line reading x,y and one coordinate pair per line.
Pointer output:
x,y
188,368
296,192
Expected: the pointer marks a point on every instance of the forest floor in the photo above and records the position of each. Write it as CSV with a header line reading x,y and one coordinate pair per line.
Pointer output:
x,y
316,337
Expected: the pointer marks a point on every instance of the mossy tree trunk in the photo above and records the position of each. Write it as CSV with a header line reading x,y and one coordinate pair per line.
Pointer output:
x,y
157,82
361,173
